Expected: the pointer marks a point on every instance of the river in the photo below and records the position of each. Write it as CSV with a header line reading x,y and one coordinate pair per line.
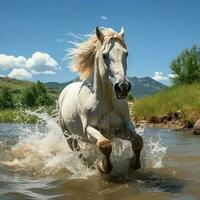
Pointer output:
x,y
36,163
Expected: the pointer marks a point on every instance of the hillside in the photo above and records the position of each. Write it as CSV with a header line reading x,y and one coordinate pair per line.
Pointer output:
x,y
60,86
140,86
14,84
180,102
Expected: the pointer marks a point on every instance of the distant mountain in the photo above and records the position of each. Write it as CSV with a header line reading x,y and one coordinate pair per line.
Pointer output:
x,y
140,86
145,86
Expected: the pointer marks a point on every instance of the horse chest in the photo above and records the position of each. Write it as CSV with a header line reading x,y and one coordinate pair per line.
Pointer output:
x,y
110,123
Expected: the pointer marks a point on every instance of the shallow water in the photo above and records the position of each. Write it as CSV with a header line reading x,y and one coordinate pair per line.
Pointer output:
x,y
36,163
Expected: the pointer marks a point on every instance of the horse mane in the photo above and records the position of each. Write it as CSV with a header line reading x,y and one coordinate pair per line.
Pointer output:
x,y
82,55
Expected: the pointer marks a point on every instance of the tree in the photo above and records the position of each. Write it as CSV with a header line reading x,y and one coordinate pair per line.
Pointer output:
x,y
36,95
6,99
29,97
43,97
186,67
41,88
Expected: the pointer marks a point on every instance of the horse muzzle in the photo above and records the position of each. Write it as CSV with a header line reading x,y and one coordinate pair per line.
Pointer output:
x,y
122,89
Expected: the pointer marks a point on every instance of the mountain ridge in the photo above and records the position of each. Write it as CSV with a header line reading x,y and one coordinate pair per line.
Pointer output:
x,y
141,87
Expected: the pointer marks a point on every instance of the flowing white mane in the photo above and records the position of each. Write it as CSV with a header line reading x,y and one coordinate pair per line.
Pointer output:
x,y
82,56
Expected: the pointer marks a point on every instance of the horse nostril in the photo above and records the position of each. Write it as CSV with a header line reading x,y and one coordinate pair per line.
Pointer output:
x,y
125,86
116,87
122,89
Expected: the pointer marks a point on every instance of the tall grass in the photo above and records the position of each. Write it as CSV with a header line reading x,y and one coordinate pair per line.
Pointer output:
x,y
183,98
21,116
17,116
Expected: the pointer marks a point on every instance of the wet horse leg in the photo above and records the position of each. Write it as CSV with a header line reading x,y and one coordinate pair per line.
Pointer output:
x,y
136,143
105,147
72,142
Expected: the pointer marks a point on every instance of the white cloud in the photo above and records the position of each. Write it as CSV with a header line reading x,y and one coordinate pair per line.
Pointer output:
x,y
34,72
1,75
104,17
159,76
22,74
10,62
39,62
44,72
24,68
48,72
171,76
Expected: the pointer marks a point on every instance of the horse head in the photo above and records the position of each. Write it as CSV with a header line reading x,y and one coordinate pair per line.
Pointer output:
x,y
113,56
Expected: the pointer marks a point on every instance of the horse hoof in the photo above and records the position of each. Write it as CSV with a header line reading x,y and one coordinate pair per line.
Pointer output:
x,y
105,147
135,164
102,169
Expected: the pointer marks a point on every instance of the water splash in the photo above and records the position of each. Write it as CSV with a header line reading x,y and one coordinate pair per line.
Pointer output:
x,y
154,152
42,149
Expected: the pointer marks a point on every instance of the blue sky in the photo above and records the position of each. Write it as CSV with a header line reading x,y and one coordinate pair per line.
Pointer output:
x,y
34,34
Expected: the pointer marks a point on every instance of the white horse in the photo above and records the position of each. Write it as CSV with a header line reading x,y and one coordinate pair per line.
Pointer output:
x,y
96,107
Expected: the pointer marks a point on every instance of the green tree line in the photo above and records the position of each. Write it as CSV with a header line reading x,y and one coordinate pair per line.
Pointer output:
x,y
33,96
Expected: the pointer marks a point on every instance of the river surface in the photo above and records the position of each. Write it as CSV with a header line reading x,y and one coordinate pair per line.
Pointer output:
x,y
36,163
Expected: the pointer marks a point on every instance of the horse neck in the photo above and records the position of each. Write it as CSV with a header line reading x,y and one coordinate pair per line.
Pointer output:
x,y
101,84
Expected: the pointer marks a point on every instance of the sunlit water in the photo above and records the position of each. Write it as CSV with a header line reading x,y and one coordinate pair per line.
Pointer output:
x,y
36,163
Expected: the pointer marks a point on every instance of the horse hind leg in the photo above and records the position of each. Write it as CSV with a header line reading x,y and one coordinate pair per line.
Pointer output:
x,y
72,142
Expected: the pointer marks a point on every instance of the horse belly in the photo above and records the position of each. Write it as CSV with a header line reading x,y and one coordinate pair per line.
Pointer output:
x,y
68,110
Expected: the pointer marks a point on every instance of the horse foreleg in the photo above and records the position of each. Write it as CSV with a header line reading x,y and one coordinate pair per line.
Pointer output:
x,y
105,147
136,143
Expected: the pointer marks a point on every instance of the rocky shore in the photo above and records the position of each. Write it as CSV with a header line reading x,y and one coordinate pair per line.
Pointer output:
x,y
171,121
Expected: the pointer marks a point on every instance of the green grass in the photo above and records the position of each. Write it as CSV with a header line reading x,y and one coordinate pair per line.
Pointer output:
x,y
18,113
21,116
14,84
183,98
17,116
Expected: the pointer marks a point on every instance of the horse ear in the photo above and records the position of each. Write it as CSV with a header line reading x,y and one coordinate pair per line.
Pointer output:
x,y
121,33
99,35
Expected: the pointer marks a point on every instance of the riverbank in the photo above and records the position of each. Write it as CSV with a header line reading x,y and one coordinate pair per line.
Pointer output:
x,y
176,108
176,125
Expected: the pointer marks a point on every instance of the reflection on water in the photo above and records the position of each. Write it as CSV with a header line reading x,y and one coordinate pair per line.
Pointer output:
x,y
36,163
